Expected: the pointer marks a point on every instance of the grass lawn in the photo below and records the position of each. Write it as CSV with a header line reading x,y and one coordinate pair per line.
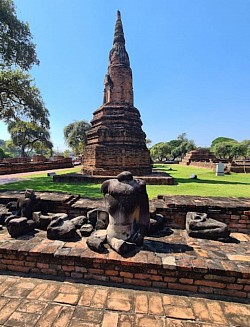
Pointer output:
x,y
207,184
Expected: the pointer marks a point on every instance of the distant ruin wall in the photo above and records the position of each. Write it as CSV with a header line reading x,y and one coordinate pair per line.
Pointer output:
x,y
12,168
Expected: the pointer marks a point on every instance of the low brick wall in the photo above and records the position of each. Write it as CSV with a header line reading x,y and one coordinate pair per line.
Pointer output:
x,y
56,258
201,164
82,178
235,212
232,211
12,168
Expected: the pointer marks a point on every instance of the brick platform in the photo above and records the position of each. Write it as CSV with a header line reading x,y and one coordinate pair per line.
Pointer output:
x,y
153,179
170,262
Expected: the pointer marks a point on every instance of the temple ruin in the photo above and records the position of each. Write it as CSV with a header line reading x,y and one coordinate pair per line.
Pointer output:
x,y
116,141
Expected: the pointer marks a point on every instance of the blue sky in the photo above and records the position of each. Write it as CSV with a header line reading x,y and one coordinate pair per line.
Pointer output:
x,y
190,61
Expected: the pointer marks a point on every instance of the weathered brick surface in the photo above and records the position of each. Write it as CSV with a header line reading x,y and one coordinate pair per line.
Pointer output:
x,y
99,305
116,141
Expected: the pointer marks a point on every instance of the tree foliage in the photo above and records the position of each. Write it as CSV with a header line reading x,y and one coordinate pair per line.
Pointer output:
x,y
173,149
75,135
221,139
19,98
231,150
29,136
16,46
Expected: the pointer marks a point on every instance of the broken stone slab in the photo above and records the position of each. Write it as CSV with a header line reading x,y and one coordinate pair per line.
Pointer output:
x,y
61,228
156,224
120,246
86,230
20,226
98,218
4,213
79,221
200,226
96,244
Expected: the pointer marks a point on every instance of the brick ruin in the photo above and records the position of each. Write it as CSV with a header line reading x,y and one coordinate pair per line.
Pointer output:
x,y
36,163
200,155
116,141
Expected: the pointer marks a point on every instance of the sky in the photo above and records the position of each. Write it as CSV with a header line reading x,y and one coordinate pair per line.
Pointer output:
x,y
190,61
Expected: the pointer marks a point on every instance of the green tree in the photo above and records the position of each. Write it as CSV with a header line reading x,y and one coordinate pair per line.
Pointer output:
x,y
19,98
75,135
181,146
3,154
224,150
28,135
246,143
16,46
160,151
219,140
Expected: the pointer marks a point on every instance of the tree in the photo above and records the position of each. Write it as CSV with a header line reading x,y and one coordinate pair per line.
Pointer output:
x,y
19,98
224,150
181,146
246,143
28,135
219,140
75,135
160,151
16,46
3,154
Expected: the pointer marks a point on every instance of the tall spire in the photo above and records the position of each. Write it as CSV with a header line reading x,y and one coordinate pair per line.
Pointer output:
x,y
119,35
118,53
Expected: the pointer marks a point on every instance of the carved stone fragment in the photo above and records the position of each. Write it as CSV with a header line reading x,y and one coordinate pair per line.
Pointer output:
x,y
200,226
20,226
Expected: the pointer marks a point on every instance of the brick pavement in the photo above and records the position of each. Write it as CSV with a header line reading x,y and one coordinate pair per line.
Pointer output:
x,y
35,302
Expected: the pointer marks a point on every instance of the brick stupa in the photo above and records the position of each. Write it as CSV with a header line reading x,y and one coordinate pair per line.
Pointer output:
x,y
116,141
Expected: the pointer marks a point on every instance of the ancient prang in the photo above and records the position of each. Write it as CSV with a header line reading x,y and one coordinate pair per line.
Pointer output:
x,y
116,141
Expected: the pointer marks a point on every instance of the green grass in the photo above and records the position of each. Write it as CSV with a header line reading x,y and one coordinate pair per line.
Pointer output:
x,y
207,184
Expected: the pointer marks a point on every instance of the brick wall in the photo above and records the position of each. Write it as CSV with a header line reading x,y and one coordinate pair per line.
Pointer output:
x,y
12,168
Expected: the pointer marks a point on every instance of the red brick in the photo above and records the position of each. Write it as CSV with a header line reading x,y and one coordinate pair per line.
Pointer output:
x,y
247,288
116,279
19,268
76,275
186,281
111,272
96,271
234,287
142,276
170,279
126,274
209,283
42,265
139,282
182,287
68,268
